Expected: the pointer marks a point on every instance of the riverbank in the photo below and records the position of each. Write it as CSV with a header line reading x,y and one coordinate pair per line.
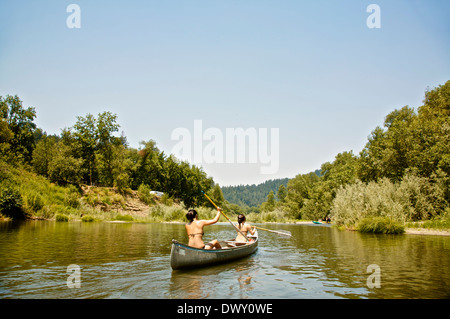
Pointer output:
x,y
35,198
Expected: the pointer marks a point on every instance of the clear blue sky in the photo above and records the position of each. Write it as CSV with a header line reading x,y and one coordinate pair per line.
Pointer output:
x,y
313,69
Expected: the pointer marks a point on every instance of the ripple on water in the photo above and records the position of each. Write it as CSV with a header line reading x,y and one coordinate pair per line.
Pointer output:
x,y
133,261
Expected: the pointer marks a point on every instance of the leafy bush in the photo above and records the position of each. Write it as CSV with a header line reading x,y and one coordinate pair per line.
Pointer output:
x,y
61,218
166,199
145,196
127,218
414,198
35,202
65,170
72,197
157,212
87,218
11,203
122,182
426,196
275,216
380,225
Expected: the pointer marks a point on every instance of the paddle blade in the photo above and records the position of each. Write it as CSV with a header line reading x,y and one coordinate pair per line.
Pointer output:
x,y
279,232
284,233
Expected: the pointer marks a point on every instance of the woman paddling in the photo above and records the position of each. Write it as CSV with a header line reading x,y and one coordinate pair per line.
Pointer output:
x,y
194,230
244,229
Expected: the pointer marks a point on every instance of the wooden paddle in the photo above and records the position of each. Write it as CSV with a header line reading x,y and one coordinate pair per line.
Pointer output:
x,y
280,232
225,216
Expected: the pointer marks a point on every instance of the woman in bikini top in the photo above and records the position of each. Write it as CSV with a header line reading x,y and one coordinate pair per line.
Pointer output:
x,y
244,228
194,229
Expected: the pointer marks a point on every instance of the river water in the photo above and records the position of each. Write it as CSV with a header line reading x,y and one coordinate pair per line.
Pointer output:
x,y
132,260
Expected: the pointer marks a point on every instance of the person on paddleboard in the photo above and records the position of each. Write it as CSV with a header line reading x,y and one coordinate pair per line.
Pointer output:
x,y
244,228
194,229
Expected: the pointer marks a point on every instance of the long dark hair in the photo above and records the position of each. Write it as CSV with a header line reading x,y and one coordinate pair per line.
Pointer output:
x,y
241,220
191,214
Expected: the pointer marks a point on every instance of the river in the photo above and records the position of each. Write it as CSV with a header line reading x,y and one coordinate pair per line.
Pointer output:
x,y
132,260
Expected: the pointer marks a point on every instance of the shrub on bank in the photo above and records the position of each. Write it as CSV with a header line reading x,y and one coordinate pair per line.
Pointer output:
x,y
275,216
125,218
380,225
87,218
144,195
61,218
11,203
414,198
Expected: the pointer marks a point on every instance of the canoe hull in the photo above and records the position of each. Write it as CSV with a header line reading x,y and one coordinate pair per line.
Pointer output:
x,y
183,256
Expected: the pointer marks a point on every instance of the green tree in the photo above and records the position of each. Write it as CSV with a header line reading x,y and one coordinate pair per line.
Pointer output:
x,y
43,154
386,153
430,149
64,169
300,189
269,205
282,193
106,147
193,181
20,127
410,140
122,168
85,143
5,137
92,140
149,168
216,195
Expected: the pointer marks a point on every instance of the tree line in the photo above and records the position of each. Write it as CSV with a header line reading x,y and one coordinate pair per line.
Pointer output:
x,y
403,172
91,152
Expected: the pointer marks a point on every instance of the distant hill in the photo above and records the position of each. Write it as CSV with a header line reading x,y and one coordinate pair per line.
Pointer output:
x,y
252,195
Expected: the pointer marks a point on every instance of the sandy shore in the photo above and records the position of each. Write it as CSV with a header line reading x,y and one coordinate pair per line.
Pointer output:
x,y
424,231
409,231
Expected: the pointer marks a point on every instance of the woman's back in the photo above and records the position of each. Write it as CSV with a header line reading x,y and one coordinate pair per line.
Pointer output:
x,y
245,228
194,230
195,233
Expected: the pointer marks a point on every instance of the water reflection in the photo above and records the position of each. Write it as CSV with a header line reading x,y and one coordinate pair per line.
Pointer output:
x,y
229,280
133,261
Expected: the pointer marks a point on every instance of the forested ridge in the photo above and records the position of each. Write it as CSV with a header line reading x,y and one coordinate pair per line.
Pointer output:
x,y
252,195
